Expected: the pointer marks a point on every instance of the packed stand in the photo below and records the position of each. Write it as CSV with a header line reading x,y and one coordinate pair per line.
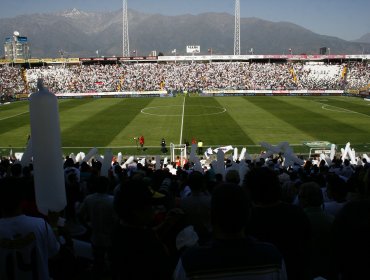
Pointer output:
x,y
171,77
81,78
197,77
358,76
319,76
179,77
11,83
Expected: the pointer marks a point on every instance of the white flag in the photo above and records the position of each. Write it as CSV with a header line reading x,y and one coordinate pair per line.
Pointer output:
x,y
225,149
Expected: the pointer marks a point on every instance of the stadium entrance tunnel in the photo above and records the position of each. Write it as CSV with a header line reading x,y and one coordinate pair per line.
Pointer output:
x,y
177,111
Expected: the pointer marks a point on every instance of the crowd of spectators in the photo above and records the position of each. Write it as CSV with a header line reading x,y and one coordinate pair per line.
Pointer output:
x,y
320,77
180,77
191,77
358,75
11,83
296,222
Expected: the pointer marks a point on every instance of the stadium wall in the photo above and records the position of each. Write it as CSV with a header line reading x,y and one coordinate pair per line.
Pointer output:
x,y
207,93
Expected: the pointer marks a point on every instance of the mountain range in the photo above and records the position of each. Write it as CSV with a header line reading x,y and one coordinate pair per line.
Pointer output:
x,y
364,39
81,34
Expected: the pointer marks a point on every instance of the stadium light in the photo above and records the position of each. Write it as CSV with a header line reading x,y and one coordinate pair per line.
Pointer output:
x,y
125,36
237,28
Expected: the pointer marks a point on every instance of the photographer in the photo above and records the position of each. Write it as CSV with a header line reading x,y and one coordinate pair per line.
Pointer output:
x,y
163,146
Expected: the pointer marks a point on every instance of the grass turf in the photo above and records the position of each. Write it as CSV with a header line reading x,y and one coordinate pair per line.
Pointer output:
x,y
218,121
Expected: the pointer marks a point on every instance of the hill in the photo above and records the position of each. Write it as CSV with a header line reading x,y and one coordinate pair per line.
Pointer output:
x,y
364,39
80,34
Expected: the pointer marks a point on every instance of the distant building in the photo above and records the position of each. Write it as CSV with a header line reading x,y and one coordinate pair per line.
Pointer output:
x,y
16,47
323,50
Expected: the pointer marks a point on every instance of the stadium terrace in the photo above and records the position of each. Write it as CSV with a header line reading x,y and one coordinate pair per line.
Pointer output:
x,y
200,74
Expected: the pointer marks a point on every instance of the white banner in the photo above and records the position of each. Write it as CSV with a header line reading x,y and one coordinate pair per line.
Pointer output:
x,y
192,49
73,94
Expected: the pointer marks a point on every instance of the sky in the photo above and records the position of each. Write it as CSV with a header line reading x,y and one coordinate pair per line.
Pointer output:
x,y
346,19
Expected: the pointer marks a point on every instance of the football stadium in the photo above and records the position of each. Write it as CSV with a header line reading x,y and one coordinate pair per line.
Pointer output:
x,y
189,166
108,103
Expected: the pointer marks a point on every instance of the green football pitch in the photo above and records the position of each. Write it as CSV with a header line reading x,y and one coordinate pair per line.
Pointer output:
x,y
217,121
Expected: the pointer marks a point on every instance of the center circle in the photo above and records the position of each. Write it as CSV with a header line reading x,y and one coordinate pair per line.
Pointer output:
x,y
173,111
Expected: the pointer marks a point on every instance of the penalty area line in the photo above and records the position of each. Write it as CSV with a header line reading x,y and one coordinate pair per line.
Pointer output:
x,y
182,120
340,109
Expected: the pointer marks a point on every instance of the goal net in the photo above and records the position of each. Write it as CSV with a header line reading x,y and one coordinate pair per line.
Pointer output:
x,y
178,150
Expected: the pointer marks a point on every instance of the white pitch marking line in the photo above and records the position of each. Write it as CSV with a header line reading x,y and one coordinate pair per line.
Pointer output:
x,y
14,116
182,120
340,108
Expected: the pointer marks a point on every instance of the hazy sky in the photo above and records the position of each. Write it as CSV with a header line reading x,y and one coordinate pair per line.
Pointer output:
x,y
347,19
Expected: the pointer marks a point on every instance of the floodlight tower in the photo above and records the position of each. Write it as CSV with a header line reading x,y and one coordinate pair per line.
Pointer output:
x,y
125,42
237,28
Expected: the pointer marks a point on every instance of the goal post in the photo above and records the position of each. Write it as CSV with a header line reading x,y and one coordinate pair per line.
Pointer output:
x,y
319,147
178,150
